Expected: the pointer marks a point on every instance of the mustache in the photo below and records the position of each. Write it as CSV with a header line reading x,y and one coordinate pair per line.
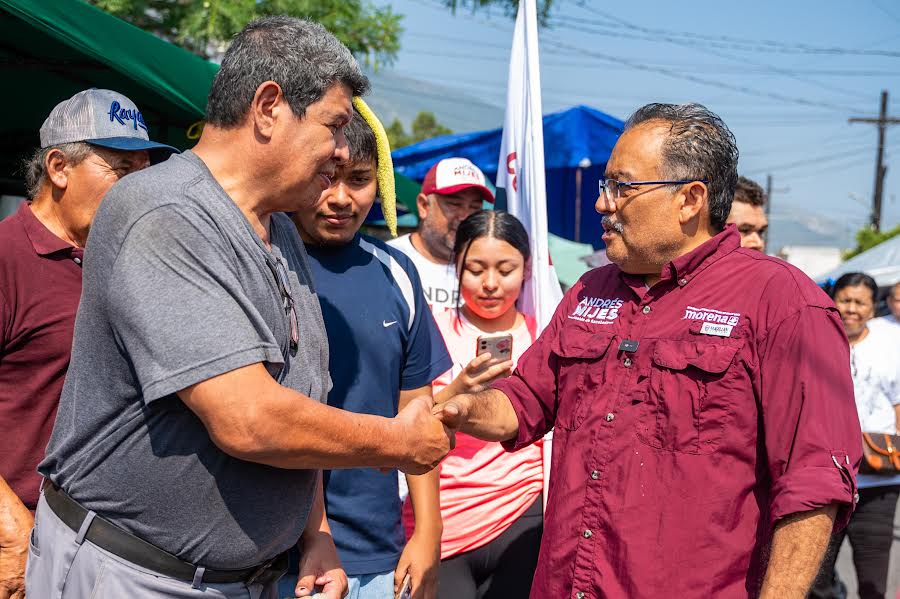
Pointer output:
x,y
609,224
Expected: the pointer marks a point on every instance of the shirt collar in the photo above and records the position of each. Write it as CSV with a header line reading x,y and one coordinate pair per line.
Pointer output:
x,y
684,268
43,241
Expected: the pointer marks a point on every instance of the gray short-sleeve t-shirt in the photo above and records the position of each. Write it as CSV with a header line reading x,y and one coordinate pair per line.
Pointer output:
x,y
178,288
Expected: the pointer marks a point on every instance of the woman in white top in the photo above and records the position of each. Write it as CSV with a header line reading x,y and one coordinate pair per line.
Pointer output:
x,y
875,366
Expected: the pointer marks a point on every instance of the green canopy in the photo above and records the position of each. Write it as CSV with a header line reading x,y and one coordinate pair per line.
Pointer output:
x,y
51,49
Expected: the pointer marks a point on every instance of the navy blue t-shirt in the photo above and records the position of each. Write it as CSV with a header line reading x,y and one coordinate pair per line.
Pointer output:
x,y
382,339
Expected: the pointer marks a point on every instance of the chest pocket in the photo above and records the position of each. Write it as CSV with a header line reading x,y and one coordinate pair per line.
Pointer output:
x,y
692,384
579,355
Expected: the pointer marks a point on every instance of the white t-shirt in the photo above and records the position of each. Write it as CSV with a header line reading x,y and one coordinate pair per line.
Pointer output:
x,y
875,366
888,322
438,280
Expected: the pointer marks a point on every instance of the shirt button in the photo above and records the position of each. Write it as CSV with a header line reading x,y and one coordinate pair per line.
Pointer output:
x,y
610,416
595,475
646,310
579,595
587,534
76,260
627,362
682,281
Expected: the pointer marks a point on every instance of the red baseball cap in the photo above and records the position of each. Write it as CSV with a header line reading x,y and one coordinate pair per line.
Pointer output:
x,y
452,175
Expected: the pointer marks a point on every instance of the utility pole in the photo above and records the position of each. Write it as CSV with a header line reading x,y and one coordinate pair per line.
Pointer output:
x,y
768,205
880,169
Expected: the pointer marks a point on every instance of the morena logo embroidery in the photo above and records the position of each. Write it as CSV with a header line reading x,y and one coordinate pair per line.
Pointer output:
x,y
117,113
710,315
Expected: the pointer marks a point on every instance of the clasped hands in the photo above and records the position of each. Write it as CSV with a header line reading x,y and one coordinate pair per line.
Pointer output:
x,y
430,424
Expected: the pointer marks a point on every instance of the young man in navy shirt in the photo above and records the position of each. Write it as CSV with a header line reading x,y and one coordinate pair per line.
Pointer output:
x,y
385,349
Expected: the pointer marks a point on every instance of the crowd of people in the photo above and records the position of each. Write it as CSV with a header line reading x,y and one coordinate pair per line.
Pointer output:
x,y
210,375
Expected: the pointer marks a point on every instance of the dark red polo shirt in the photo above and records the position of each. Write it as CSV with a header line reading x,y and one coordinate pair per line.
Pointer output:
x,y
40,285
689,418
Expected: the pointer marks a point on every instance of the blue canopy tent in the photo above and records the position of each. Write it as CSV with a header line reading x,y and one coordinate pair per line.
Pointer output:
x,y
577,145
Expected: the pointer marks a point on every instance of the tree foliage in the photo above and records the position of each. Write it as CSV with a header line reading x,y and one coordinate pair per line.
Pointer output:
x,y
867,238
424,126
509,6
206,26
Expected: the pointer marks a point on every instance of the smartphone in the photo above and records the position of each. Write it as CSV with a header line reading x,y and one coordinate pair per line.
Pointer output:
x,y
499,345
405,588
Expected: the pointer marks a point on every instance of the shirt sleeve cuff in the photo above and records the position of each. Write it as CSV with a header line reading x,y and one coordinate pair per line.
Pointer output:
x,y
811,488
514,388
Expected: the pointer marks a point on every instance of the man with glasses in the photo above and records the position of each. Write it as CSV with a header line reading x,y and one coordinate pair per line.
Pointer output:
x,y
185,459
453,189
83,152
706,439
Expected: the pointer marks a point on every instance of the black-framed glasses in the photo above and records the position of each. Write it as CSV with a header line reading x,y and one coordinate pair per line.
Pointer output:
x,y
613,188
279,270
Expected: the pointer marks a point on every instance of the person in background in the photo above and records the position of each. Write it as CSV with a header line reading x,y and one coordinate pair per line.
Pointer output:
x,y
385,350
892,319
453,189
192,426
490,499
875,367
88,142
705,441
748,214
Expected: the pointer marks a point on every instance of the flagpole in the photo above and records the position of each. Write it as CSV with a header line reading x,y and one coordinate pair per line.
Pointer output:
x,y
521,174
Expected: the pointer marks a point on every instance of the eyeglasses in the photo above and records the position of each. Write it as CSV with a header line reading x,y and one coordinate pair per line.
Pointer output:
x,y
613,188
279,270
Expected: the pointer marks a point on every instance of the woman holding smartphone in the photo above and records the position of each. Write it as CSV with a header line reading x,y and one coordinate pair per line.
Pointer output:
x,y
490,499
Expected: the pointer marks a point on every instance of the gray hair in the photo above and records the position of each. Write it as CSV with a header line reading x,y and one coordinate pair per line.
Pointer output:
x,y
36,167
699,146
300,56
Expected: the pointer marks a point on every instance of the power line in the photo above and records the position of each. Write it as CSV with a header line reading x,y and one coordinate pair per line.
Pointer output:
x,y
735,43
706,68
666,37
676,75
844,153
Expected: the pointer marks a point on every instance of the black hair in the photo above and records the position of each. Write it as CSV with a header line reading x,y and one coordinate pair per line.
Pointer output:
x,y
488,223
361,140
750,192
855,279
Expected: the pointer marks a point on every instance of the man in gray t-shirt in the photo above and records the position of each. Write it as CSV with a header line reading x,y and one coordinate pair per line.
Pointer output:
x,y
191,429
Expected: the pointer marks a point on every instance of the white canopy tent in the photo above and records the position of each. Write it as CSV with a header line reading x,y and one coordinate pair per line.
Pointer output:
x,y
882,263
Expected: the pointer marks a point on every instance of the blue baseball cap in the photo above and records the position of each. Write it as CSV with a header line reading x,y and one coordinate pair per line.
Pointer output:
x,y
104,118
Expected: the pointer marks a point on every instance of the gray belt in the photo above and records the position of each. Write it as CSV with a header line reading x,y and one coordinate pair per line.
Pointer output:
x,y
110,537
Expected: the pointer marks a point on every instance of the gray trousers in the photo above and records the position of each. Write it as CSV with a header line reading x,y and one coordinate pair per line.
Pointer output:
x,y
63,566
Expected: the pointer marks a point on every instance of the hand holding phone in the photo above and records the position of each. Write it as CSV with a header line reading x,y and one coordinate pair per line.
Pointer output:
x,y
405,588
499,345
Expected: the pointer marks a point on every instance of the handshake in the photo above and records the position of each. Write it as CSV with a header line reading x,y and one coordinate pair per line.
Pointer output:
x,y
428,431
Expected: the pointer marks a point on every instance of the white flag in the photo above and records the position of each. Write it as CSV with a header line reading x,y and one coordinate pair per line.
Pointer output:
x,y
521,166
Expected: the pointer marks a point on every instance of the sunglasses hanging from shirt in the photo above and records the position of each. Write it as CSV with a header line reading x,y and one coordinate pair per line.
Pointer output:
x,y
279,271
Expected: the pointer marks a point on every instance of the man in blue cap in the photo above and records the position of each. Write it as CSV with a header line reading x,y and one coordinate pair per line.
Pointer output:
x,y
88,143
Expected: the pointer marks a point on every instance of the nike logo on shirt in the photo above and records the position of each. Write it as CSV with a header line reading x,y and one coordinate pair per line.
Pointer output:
x,y
386,324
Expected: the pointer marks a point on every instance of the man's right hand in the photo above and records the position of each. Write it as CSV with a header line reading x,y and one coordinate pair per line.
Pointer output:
x,y
15,526
453,413
425,437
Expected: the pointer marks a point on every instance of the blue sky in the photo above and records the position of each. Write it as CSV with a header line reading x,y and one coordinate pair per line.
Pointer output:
x,y
762,66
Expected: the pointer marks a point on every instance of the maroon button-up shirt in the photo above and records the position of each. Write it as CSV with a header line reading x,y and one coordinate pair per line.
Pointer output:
x,y
689,418
40,286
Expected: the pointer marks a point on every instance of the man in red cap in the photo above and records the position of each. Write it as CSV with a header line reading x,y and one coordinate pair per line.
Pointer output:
x,y
453,189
